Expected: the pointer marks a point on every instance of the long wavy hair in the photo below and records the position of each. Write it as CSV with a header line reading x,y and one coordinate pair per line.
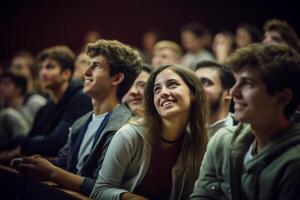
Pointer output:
x,y
195,140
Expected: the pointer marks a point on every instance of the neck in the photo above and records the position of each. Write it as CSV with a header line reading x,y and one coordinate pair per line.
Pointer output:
x,y
58,92
220,114
106,105
266,133
16,102
172,129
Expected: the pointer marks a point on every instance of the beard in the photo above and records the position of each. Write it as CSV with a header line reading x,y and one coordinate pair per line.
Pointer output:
x,y
215,104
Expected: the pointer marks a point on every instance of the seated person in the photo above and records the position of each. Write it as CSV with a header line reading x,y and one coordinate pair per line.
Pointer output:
x,y
134,98
13,123
216,79
67,103
260,158
158,158
112,69
166,52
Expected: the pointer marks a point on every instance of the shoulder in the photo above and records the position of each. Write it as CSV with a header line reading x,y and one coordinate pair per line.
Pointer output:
x,y
131,132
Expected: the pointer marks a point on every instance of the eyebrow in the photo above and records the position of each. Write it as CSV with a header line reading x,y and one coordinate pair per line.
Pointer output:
x,y
170,80
248,79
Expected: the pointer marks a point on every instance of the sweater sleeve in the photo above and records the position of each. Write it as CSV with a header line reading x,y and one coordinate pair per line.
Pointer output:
x,y
109,182
289,185
211,182
49,145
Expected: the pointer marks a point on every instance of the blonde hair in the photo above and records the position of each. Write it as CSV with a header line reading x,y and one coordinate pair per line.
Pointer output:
x,y
166,44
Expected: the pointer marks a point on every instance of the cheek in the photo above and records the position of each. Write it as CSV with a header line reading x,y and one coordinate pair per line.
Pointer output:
x,y
156,101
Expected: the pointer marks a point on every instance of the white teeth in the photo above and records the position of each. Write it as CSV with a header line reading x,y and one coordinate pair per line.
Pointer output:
x,y
165,103
87,81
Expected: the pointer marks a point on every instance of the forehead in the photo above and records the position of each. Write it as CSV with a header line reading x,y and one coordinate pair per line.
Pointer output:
x,y
166,75
143,76
208,72
248,73
164,51
99,59
48,61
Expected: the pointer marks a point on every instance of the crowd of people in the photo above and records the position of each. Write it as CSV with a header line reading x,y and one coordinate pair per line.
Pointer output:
x,y
212,118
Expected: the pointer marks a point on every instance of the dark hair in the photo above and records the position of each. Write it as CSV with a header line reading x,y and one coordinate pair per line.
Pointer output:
x,y
147,68
63,55
225,74
278,65
255,34
19,80
287,33
121,59
198,29
197,137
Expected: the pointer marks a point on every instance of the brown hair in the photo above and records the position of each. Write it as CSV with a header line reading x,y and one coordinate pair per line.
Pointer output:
x,y
287,33
121,59
196,138
278,65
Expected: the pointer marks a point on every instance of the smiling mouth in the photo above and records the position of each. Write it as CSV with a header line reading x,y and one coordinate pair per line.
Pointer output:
x,y
166,103
87,81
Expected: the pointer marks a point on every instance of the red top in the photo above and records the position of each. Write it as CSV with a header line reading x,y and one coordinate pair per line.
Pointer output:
x,y
157,182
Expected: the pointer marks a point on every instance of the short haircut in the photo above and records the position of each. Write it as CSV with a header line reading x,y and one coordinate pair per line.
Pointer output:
x,y
30,61
225,74
166,44
147,68
278,66
254,32
63,55
287,33
197,29
18,80
121,59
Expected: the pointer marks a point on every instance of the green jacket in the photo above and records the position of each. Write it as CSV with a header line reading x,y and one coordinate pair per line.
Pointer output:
x,y
272,174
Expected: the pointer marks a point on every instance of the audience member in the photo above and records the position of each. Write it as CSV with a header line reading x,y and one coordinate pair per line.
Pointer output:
x,y
279,31
134,98
165,53
258,159
193,39
216,79
51,124
112,70
160,158
247,34
81,63
23,63
149,39
223,45
13,123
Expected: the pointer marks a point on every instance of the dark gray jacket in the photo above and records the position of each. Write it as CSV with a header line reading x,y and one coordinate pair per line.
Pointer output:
x,y
93,163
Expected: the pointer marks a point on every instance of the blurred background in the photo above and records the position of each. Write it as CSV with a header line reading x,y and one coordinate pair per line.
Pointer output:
x,y
35,25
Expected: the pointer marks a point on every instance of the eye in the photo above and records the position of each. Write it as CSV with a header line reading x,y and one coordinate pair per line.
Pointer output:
x,y
173,84
157,89
206,82
141,85
96,66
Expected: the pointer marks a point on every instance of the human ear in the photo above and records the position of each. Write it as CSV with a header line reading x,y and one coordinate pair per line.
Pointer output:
x,y
227,95
66,74
117,79
285,96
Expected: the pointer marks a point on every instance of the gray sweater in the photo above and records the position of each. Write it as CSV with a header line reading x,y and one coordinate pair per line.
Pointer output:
x,y
126,163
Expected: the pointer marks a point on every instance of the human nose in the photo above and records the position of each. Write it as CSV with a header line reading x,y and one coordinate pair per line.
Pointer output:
x,y
235,91
165,93
88,71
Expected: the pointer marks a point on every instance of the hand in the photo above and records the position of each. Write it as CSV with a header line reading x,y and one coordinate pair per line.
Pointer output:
x,y
36,167
131,196
10,154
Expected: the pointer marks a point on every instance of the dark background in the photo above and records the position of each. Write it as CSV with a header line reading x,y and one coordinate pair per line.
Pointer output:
x,y
35,25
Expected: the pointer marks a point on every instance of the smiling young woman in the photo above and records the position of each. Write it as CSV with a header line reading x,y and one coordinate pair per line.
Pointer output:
x,y
159,156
